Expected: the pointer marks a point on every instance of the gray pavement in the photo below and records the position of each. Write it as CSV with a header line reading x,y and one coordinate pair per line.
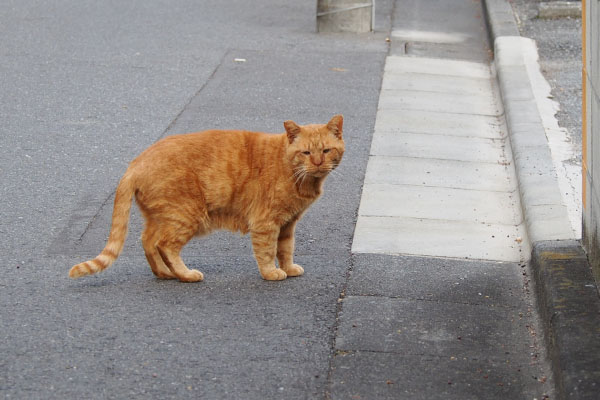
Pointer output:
x,y
88,85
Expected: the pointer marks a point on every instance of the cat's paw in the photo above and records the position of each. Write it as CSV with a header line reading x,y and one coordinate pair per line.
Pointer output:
x,y
193,275
294,270
276,274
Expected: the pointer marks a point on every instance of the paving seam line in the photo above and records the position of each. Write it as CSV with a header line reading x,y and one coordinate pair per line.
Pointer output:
x,y
567,295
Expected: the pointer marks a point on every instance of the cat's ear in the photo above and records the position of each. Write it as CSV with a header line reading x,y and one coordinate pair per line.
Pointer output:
x,y
335,125
292,129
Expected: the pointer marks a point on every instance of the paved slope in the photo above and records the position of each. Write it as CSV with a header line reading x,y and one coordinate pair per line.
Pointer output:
x,y
440,180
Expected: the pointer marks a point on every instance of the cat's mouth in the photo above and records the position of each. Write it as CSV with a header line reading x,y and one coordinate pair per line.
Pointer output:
x,y
320,173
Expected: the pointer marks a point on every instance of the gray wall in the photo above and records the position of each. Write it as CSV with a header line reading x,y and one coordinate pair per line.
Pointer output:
x,y
591,134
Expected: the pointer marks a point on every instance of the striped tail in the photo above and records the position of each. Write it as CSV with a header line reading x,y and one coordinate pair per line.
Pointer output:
x,y
118,232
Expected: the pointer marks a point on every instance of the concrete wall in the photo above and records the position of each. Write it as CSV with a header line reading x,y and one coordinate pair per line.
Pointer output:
x,y
591,132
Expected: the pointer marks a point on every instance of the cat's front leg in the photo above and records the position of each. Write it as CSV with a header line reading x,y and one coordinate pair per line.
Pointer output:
x,y
285,250
264,244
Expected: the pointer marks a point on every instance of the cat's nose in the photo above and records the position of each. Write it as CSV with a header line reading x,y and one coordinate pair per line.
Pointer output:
x,y
317,161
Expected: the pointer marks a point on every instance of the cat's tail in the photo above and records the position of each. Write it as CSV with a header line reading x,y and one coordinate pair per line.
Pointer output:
x,y
118,231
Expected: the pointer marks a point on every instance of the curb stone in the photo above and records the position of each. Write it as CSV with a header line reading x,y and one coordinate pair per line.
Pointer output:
x,y
569,306
500,19
559,9
567,295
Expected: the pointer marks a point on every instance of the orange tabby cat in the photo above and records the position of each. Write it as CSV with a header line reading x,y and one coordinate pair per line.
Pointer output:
x,y
188,185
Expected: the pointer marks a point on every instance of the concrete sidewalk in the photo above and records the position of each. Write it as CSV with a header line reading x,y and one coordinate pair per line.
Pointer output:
x,y
460,170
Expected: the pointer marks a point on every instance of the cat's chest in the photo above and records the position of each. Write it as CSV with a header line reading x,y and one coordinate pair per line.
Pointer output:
x,y
298,204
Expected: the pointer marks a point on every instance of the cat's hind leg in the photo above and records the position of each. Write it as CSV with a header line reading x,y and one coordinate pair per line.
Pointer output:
x,y
171,221
172,239
158,266
177,266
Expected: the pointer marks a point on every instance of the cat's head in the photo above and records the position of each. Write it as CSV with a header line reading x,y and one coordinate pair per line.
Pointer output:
x,y
315,150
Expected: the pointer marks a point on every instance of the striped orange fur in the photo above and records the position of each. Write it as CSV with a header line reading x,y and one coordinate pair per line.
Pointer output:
x,y
187,185
118,232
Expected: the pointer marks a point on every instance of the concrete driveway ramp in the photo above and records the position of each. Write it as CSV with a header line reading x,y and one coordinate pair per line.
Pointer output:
x,y
440,179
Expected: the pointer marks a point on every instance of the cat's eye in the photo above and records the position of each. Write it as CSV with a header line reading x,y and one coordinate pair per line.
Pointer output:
x,y
326,150
306,153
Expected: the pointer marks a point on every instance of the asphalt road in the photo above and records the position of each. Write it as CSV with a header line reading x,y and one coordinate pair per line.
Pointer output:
x,y
88,85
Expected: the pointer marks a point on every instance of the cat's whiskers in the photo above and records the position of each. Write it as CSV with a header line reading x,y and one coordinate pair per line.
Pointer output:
x,y
301,178
331,166
299,174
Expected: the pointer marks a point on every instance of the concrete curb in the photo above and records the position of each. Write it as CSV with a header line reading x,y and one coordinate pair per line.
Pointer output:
x,y
500,19
546,215
566,291
569,305
560,9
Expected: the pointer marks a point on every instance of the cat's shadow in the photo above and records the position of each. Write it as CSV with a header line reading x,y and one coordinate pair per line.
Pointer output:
x,y
214,281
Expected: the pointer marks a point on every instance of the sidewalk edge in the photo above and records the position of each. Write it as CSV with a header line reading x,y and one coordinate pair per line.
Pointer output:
x,y
567,295
569,307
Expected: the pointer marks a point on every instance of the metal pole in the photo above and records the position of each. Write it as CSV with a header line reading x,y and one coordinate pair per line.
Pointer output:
x,y
584,127
373,15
